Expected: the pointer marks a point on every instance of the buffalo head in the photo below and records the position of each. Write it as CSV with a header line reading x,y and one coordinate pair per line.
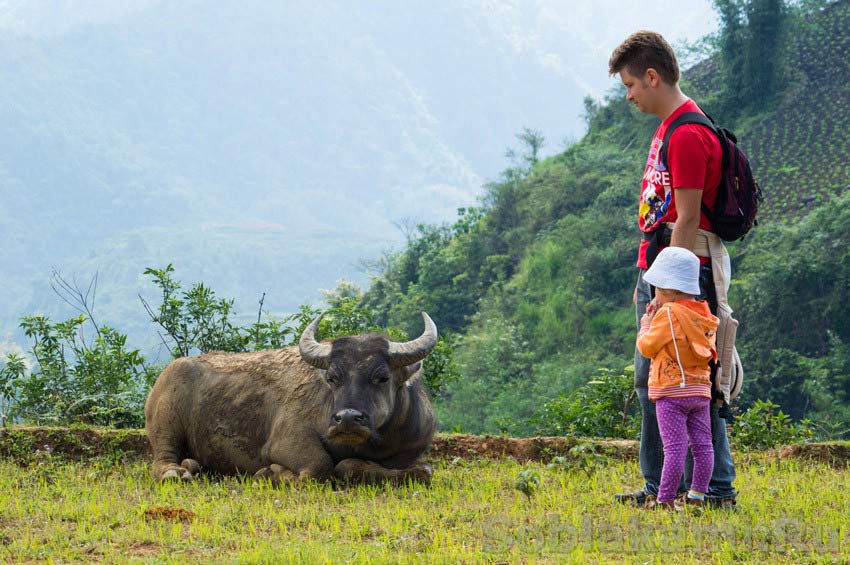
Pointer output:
x,y
366,374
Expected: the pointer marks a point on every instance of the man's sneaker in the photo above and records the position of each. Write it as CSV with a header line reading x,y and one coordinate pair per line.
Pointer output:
x,y
638,498
724,503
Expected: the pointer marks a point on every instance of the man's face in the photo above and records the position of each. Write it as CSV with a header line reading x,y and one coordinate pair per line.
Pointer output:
x,y
639,91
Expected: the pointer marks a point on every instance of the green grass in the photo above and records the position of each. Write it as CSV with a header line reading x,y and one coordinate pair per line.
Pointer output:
x,y
65,512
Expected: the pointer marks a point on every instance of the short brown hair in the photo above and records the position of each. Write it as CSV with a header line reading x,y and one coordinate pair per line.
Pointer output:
x,y
645,50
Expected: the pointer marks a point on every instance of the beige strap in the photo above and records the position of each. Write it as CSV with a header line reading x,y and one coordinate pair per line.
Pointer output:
x,y
707,244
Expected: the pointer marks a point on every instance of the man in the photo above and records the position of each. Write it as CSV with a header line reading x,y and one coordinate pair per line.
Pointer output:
x,y
670,214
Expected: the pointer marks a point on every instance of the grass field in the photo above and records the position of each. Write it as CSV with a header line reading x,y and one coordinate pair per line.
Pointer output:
x,y
109,510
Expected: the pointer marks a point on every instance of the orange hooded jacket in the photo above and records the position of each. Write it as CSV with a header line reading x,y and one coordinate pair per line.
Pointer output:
x,y
694,327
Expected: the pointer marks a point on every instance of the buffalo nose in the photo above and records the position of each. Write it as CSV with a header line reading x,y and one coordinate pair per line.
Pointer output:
x,y
349,416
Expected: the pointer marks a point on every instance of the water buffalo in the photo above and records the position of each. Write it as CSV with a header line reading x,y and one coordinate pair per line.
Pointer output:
x,y
352,409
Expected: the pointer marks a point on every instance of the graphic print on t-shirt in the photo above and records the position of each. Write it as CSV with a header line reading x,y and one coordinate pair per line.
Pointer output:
x,y
656,195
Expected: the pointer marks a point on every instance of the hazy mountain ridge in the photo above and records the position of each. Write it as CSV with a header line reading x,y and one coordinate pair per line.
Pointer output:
x,y
259,147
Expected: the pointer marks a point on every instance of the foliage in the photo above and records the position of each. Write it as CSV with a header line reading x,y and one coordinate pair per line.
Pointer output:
x,y
14,368
583,457
796,326
441,368
750,36
199,321
604,407
532,142
494,391
528,483
96,382
763,427
196,320
99,381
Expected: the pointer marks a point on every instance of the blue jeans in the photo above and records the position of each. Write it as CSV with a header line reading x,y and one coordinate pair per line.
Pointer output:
x,y
651,448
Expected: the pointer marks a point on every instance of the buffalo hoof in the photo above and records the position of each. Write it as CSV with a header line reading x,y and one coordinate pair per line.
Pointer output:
x,y
182,473
172,475
191,465
369,472
276,474
422,472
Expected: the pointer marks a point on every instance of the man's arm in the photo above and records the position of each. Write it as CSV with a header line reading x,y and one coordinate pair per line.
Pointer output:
x,y
688,208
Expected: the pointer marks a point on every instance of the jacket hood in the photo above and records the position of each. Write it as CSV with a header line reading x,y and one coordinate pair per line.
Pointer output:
x,y
699,325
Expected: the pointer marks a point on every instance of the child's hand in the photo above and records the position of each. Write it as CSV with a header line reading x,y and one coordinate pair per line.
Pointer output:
x,y
652,308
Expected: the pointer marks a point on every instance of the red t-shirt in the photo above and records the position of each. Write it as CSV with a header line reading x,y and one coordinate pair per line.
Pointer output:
x,y
695,158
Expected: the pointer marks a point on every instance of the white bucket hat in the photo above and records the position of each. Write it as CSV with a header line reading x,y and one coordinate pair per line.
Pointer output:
x,y
675,268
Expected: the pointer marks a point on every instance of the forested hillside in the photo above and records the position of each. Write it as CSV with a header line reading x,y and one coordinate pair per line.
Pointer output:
x,y
535,283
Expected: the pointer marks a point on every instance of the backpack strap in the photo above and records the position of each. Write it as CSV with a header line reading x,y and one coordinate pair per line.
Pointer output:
x,y
687,118
703,120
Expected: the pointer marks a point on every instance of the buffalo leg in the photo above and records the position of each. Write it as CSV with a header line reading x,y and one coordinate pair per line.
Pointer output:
x,y
166,443
303,460
361,471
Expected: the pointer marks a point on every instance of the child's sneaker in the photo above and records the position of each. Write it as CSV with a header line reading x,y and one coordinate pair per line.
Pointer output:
x,y
689,504
652,503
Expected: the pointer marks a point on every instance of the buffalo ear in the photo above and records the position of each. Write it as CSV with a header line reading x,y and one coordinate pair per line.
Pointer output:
x,y
411,370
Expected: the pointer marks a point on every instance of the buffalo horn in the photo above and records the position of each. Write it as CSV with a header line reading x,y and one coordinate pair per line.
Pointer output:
x,y
403,354
315,353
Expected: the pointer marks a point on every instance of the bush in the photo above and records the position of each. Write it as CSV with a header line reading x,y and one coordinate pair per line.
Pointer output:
x,y
604,407
100,382
763,427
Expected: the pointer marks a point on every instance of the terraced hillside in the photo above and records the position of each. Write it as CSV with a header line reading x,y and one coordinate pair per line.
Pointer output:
x,y
794,163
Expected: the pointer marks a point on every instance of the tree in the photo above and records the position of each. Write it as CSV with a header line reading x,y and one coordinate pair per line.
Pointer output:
x,y
532,141
761,63
732,42
750,36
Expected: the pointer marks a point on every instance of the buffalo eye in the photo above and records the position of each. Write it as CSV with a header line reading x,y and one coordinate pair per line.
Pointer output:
x,y
380,379
332,379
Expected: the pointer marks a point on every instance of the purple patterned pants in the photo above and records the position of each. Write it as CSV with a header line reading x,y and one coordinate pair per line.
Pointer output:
x,y
680,421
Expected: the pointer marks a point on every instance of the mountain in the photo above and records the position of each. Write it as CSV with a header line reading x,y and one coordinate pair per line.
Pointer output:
x,y
264,147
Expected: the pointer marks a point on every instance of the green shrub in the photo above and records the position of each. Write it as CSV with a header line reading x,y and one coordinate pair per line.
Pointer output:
x,y
763,427
94,382
604,407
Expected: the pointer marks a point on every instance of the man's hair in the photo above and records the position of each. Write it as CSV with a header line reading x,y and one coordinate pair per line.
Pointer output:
x,y
645,50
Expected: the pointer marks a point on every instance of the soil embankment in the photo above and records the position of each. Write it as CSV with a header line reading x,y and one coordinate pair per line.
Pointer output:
x,y
26,443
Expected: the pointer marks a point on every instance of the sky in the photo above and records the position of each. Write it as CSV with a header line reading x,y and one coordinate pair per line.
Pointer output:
x,y
575,38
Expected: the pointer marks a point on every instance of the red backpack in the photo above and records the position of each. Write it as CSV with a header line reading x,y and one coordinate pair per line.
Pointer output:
x,y
738,195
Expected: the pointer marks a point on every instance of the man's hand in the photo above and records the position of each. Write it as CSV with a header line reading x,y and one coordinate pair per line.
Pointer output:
x,y
688,208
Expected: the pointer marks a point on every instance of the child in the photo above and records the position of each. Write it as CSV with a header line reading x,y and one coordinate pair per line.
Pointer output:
x,y
678,334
